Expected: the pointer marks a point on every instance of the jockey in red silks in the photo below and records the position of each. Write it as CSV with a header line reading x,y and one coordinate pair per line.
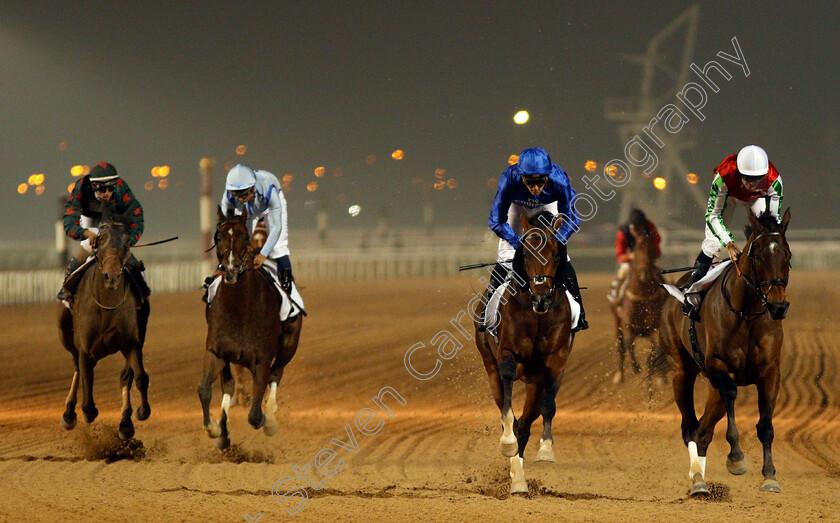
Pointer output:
x,y
83,211
624,245
748,179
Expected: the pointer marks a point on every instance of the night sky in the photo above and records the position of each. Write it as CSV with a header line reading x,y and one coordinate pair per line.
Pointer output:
x,y
309,84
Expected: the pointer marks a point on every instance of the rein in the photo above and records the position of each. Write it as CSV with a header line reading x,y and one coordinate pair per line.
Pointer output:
x,y
117,306
755,287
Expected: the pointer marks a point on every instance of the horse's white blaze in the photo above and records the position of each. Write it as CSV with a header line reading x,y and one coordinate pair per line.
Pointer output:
x,y
507,428
517,476
74,387
230,259
126,398
697,464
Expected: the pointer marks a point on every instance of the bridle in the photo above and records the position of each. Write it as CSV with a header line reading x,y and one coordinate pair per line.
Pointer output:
x,y
540,279
755,287
100,266
243,264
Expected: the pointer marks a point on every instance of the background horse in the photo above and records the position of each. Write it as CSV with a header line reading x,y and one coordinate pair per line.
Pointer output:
x,y
740,339
109,314
535,339
243,327
638,310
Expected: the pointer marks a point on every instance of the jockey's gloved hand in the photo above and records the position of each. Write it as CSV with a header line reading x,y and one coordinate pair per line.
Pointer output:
x,y
259,259
91,236
734,251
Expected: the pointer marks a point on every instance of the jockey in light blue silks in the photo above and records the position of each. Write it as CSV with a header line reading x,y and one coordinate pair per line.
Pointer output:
x,y
532,186
258,194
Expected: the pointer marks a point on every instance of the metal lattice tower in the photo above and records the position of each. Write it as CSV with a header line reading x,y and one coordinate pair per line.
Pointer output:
x,y
665,68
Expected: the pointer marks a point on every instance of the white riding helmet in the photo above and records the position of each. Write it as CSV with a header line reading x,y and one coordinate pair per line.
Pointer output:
x,y
752,161
240,177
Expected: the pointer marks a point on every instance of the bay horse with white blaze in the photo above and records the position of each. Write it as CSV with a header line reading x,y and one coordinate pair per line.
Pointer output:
x,y
637,312
244,328
535,338
109,314
739,336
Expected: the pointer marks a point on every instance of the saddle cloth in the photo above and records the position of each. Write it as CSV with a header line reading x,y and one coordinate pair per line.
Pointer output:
x,y
692,293
288,308
492,316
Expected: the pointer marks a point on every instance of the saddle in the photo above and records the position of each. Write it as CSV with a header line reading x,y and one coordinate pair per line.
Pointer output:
x,y
290,305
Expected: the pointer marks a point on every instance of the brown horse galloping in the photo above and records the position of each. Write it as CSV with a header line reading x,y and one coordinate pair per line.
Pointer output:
x,y
109,315
638,312
740,339
243,327
535,339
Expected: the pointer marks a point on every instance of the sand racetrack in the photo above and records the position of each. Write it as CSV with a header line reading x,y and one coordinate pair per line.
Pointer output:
x,y
619,454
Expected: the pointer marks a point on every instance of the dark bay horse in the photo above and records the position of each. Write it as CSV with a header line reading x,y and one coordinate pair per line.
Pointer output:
x,y
535,339
637,313
244,328
740,340
109,315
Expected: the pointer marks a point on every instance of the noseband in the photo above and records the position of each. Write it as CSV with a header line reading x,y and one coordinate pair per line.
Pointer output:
x,y
540,279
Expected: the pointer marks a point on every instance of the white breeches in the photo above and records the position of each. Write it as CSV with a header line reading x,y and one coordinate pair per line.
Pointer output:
x,y
711,245
92,225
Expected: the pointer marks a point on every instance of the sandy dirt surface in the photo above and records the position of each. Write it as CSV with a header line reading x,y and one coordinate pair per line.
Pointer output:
x,y
619,453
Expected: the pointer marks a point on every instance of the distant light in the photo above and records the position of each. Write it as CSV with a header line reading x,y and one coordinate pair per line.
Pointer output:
x,y
78,170
70,188
163,184
492,183
659,183
22,188
590,166
513,159
155,171
320,171
241,150
62,146
370,159
39,190
31,179
397,155
36,179
354,210
163,171
312,186
338,172
287,178
440,173
612,170
692,178
452,183
521,117
149,185
440,185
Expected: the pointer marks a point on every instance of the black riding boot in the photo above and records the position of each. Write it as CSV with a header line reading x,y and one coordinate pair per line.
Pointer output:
x,y
138,273
574,289
284,273
497,277
72,265
701,268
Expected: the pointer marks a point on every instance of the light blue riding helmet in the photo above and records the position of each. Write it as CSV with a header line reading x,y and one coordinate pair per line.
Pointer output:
x,y
240,177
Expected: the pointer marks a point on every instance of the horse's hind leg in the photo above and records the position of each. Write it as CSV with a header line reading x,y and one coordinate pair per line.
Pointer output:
x,y
68,420
135,359
256,417
126,379
228,386
212,366
86,372
768,389
530,412
507,373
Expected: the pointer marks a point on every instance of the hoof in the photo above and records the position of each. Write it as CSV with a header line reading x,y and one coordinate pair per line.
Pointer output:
x,y
545,455
90,414
222,443
699,488
126,431
258,424
618,377
143,412
770,485
509,449
271,429
68,420
518,485
736,468
213,430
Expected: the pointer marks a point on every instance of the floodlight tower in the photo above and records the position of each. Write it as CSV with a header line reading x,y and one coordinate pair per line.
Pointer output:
x,y
665,67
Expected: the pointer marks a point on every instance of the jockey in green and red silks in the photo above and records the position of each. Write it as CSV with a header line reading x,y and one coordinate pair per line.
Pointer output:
x,y
530,187
83,212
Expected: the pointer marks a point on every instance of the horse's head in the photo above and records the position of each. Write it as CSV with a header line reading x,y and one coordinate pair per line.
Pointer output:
x,y
233,248
113,248
767,264
540,261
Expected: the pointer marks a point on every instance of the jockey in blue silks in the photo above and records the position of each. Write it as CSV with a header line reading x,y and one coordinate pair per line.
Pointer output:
x,y
532,186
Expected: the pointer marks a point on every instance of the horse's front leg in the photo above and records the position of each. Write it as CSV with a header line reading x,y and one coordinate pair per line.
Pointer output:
x,y
126,379
530,412
68,420
86,371
261,372
630,343
228,387
555,365
684,377
212,366
768,390
719,377
619,337
135,359
507,373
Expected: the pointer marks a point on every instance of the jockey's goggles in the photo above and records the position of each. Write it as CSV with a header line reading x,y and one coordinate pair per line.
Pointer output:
x,y
534,180
243,193
103,186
